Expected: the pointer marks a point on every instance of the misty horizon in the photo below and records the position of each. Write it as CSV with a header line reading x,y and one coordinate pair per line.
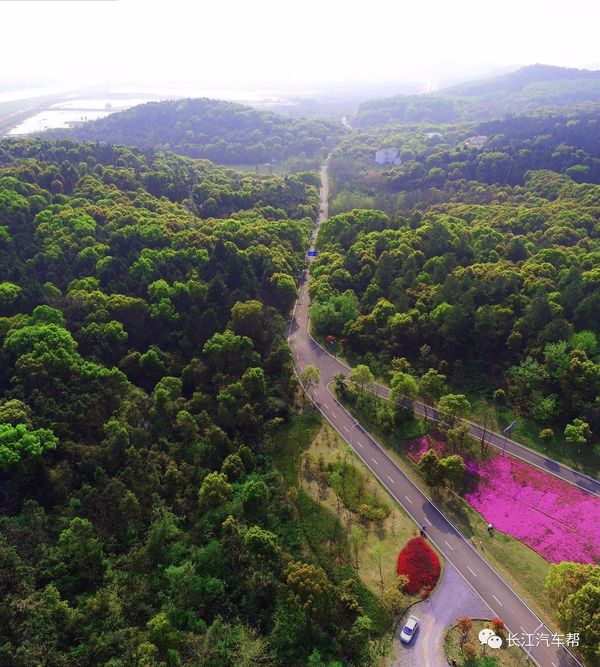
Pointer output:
x,y
231,44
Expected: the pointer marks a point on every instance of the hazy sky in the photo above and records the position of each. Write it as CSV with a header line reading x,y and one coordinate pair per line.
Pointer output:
x,y
227,42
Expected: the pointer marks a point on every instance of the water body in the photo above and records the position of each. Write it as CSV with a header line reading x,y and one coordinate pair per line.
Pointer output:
x,y
68,112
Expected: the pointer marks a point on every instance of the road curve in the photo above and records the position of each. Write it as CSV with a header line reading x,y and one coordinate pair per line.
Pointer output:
x,y
490,586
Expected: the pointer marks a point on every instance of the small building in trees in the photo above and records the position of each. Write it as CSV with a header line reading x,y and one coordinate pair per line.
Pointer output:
x,y
478,141
387,156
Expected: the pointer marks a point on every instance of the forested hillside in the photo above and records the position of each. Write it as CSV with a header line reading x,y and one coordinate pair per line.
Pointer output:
x,y
443,163
143,381
503,294
481,265
528,89
224,132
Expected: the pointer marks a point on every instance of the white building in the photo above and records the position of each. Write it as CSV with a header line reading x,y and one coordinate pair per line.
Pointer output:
x,y
478,141
387,156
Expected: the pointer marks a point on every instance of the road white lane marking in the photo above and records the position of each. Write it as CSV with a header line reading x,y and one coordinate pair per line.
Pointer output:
x,y
374,461
391,480
333,415
428,521
346,429
498,601
471,571
449,545
360,444
409,500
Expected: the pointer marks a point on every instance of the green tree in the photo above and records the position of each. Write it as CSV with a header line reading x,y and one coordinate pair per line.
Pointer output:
x,y
262,543
19,444
394,602
362,376
214,491
357,538
574,590
376,553
452,407
254,496
9,293
429,466
81,560
432,386
308,587
578,432
309,378
458,437
452,468
403,385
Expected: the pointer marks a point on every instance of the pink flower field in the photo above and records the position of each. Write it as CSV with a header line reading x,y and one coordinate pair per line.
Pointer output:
x,y
552,517
416,448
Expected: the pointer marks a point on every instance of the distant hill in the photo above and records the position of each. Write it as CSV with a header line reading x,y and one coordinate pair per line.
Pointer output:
x,y
224,132
527,90
516,81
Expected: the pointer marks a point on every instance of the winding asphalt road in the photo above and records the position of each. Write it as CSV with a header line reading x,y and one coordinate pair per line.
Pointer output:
x,y
490,586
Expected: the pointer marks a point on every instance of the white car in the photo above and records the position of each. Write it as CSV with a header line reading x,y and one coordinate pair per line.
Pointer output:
x,y
409,629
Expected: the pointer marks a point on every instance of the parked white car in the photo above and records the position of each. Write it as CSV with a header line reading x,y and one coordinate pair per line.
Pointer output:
x,y
409,629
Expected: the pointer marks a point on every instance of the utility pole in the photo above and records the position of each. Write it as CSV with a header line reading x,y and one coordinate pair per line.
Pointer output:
x,y
506,432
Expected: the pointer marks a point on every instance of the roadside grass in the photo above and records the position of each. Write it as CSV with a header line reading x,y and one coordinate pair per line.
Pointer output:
x,y
323,538
383,539
486,657
520,566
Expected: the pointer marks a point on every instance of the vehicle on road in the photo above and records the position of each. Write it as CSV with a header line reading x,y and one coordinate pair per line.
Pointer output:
x,y
409,629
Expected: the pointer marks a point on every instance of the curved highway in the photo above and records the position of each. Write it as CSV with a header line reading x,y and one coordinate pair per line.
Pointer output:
x,y
495,592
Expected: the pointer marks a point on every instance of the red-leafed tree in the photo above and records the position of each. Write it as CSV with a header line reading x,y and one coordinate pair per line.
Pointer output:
x,y
420,563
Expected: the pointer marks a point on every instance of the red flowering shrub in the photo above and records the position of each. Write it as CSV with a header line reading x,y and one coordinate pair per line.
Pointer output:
x,y
419,562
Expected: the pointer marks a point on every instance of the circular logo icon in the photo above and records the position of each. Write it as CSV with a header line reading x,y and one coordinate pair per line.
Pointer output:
x,y
485,634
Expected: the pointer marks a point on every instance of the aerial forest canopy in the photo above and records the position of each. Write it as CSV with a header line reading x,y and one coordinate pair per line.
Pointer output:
x,y
498,295
224,132
143,376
